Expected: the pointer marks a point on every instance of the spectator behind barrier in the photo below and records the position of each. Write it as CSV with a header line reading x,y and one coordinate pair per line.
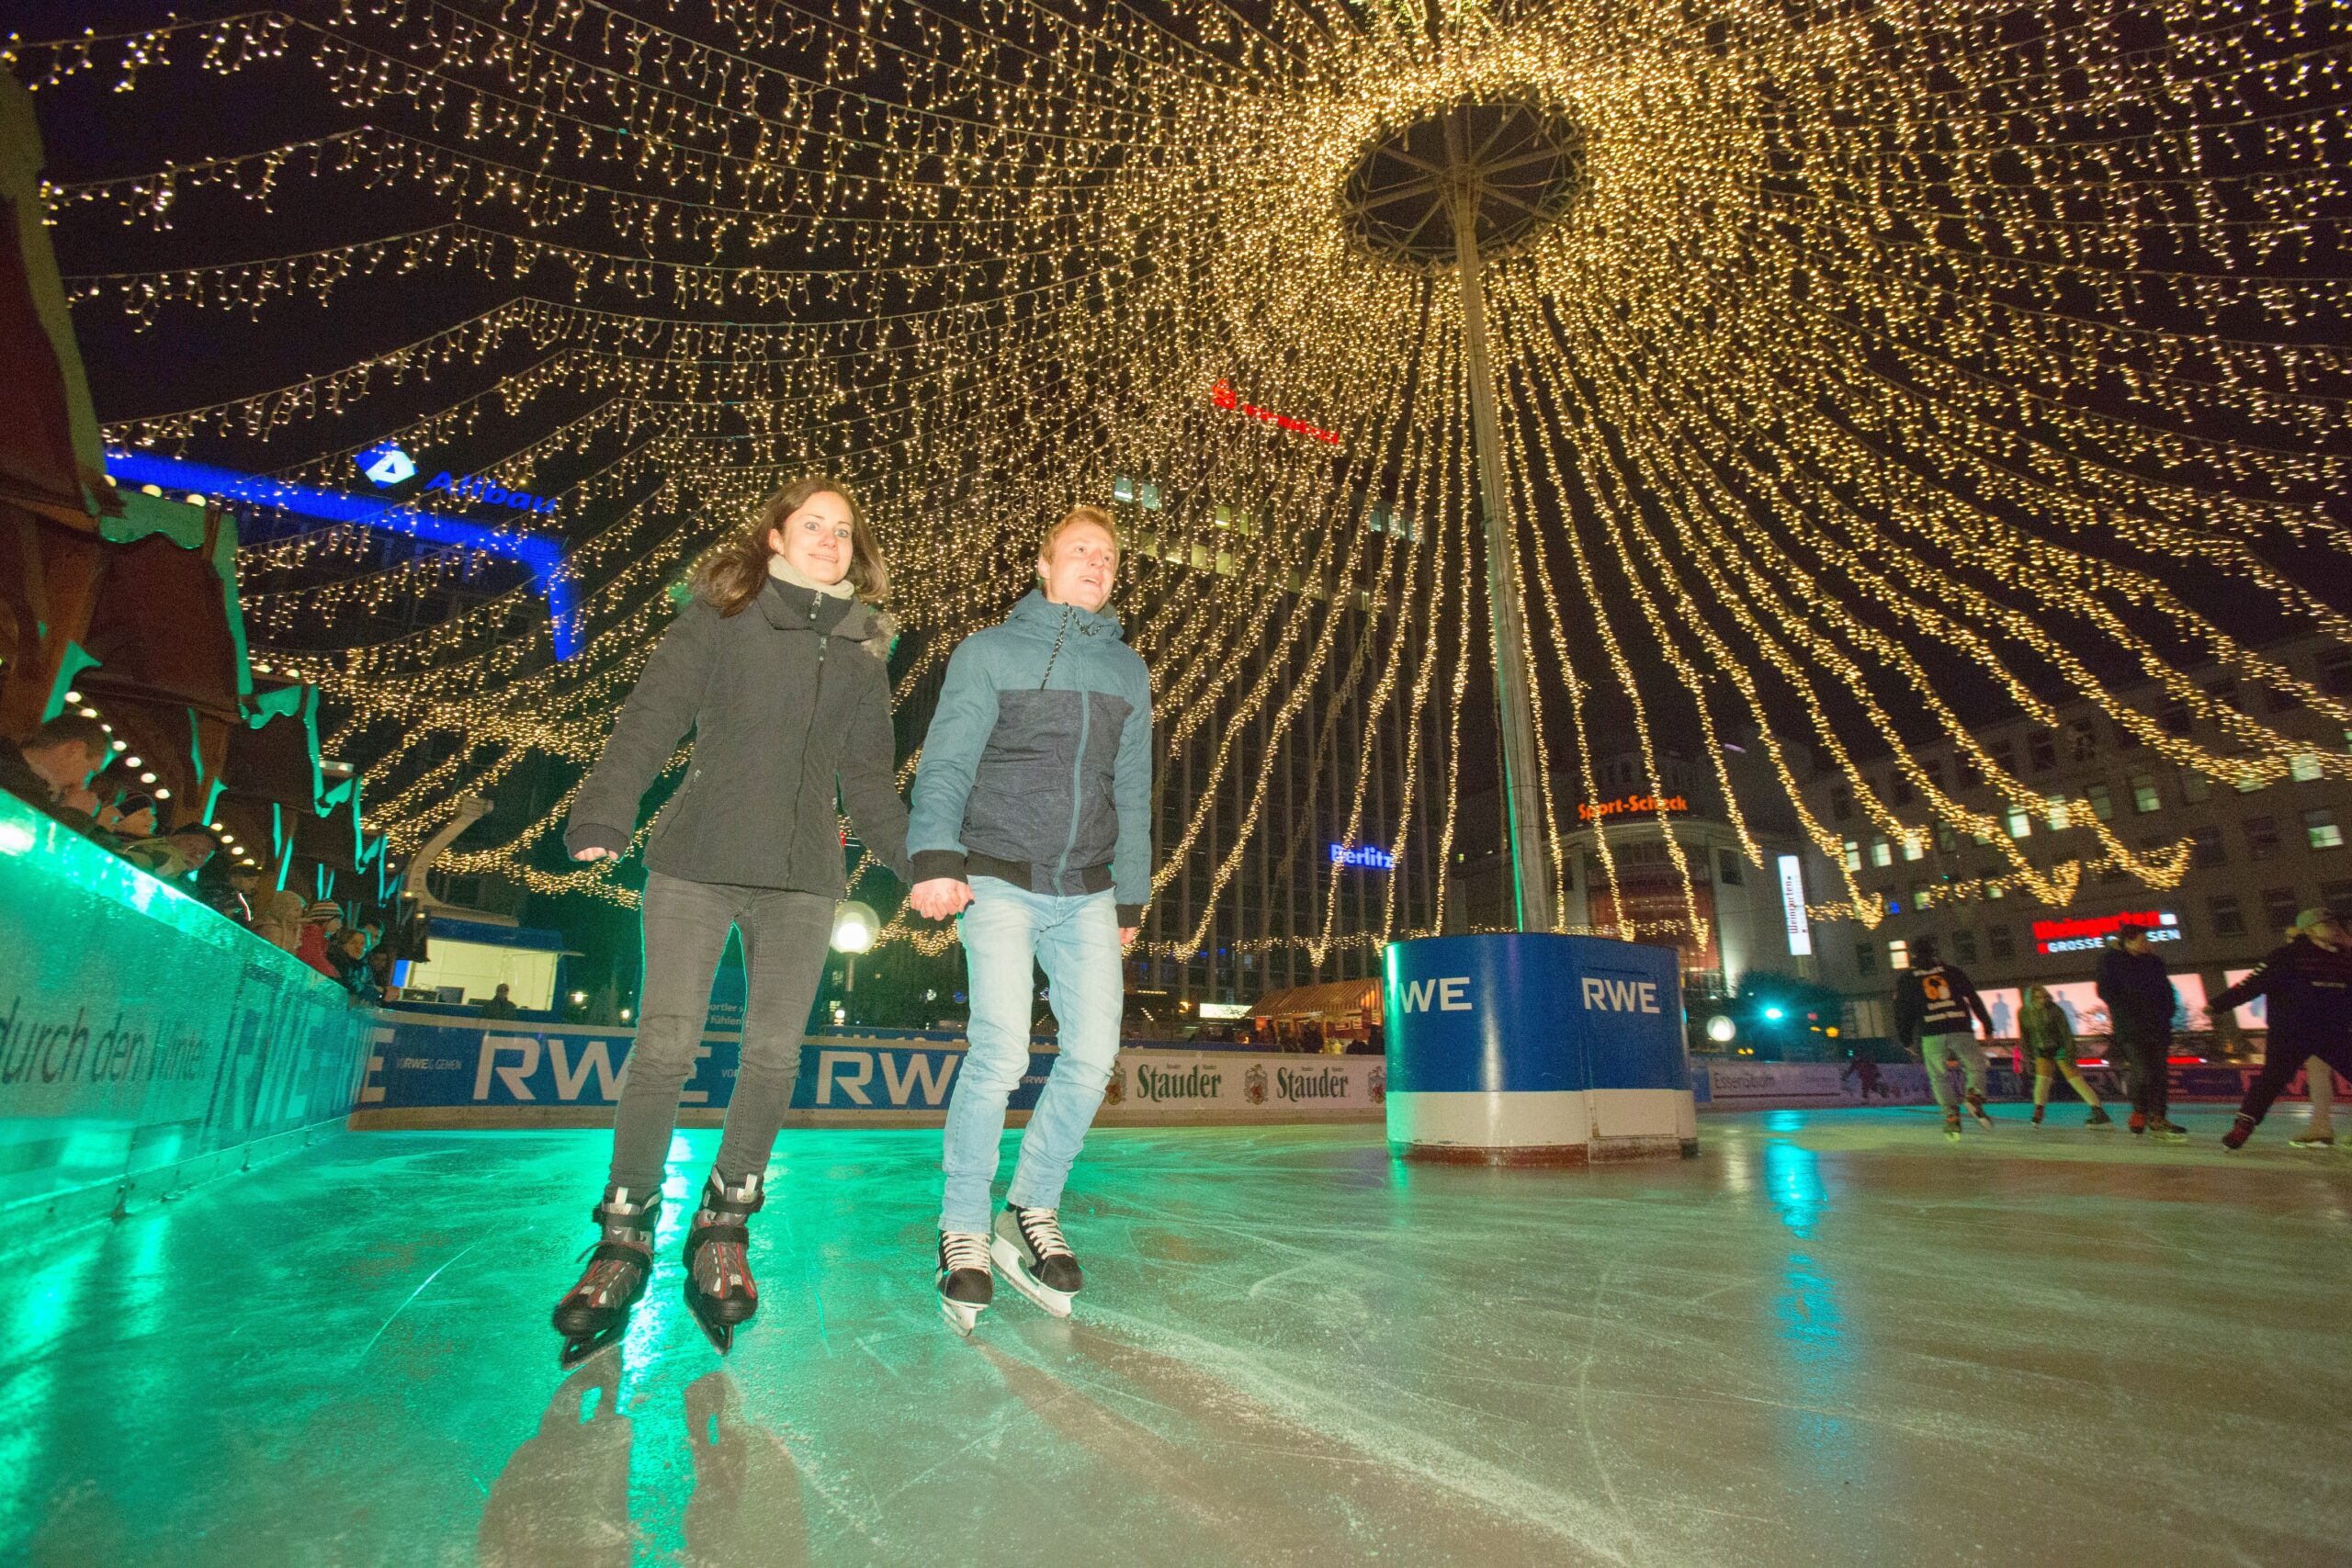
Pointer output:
x,y
176,856
348,953
321,923
130,818
52,767
501,1004
233,888
280,920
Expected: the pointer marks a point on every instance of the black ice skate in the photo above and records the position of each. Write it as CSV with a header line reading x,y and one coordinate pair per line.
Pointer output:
x,y
719,1287
1029,1247
1976,1109
965,1286
593,1313
2099,1118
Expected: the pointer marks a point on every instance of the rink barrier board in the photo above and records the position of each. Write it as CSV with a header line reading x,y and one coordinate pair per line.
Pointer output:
x,y
147,1043
1761,1086
1532,1048
427,1071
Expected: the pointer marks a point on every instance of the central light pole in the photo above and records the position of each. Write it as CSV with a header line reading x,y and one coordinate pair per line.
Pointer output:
x,y
1533,902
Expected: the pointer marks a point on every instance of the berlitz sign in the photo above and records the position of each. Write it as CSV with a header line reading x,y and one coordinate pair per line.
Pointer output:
x,y
1631,805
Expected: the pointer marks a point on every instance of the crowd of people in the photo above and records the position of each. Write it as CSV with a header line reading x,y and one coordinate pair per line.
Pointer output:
x,y
2306,983
60,768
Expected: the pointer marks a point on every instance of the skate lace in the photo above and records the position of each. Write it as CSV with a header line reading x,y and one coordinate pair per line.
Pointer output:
x,y
1044,1230
963,1251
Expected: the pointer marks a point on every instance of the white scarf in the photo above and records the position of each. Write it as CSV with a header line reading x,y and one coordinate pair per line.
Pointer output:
x,y
784,571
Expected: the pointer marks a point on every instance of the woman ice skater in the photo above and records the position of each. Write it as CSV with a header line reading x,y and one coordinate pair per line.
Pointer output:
x,y
779,667
2049,1039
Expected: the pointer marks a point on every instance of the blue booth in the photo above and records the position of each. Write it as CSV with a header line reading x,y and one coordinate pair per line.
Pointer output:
x,y
1530,1048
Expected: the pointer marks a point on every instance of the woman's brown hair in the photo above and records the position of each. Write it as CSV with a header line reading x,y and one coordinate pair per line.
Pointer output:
x,y
733,577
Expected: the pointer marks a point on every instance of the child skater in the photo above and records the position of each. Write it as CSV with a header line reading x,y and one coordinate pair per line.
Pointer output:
x,y
779,668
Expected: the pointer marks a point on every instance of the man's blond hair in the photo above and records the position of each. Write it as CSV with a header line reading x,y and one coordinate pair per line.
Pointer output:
x,y
1070,519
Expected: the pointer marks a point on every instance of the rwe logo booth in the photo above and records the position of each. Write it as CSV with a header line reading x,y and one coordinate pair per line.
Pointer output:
x,y
1530,1048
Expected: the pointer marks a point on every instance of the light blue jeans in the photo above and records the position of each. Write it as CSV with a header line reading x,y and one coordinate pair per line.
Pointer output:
x,y
1008,933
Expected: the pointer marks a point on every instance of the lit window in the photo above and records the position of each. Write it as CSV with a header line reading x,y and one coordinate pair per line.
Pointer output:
x,y
2102,803
1914,846
1853,854
2144,798
2304,767
1881,852
2320,824
2248,782
1898,954
1995,888
2059,812
1122,488
2020,822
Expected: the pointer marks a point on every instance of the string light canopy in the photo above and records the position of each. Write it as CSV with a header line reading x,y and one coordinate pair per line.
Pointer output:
x,y
1828,346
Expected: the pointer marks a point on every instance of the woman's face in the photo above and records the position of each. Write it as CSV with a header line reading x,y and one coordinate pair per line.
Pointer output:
x,y
815,539
2035,996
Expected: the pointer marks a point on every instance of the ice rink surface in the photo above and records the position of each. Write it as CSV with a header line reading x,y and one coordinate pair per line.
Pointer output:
x,y
1831,1338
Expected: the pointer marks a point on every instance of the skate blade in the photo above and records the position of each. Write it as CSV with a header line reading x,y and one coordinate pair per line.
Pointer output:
x,y
1006,1259
578,1347
961,1315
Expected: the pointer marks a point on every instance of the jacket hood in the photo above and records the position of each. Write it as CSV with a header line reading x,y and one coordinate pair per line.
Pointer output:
x,y
1037,613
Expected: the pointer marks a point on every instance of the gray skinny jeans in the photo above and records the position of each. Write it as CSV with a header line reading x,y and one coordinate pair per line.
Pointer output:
x,y
785,938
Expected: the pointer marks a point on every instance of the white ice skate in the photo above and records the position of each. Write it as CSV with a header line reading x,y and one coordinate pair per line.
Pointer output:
x,y
1036,1261
965,1287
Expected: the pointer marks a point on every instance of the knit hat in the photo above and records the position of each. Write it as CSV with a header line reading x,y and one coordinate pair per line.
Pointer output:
x,y
2310,920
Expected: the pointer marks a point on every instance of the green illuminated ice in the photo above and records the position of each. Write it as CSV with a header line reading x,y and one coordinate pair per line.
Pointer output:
x,y
1832,1338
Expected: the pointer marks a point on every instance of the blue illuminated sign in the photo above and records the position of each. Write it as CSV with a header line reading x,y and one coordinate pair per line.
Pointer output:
x,y
544,556
1365,855
387,464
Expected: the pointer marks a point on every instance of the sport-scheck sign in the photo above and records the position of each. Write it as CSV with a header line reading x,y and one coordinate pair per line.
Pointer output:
x,y
1632,806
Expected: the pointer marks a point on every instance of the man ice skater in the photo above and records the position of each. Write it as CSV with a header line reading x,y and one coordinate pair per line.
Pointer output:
x,y
2309,984
1032,817
2140,1005
1937,1009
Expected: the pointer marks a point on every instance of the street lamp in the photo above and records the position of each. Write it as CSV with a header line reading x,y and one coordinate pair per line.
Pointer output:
x,y
855,926
1720,1029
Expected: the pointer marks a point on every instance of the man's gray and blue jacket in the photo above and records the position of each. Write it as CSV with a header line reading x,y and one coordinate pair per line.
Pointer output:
x,y
1037,767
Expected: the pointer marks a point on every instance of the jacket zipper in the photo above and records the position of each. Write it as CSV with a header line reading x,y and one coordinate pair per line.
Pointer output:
x,y
816,699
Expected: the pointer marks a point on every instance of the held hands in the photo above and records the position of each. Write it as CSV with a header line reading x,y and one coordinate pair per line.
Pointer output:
x,y
593,852
941,898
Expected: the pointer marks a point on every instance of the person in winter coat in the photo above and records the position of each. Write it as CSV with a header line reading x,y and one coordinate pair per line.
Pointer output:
x,y
1033,818
2308,984
2140,1005
2049,1039
779,667
1937,1009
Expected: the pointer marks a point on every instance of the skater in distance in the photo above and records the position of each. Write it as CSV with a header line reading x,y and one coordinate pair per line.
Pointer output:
x,y
2140,1008
1937,1009
1032,825
2309,984
2049,1039
778,667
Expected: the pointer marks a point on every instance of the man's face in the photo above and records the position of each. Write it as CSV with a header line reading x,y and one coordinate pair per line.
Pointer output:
x,y
245,878
66,765
197,847
2135,942
1080,567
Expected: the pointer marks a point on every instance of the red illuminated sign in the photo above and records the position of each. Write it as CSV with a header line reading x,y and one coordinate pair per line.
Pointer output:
x,y
2090,930
1587,812
1222,395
